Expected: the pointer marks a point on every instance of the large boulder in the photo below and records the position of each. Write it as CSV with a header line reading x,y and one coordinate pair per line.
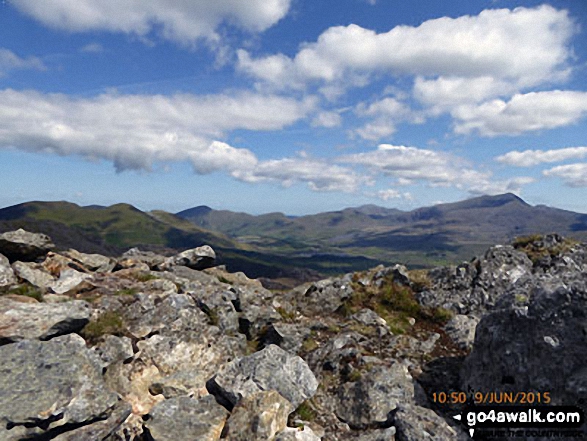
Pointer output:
x,y
370,401
57,383
269,369
196,258
21,321
415,423
7,277
184,418
258,417
24,246
536,343
34,274
475,287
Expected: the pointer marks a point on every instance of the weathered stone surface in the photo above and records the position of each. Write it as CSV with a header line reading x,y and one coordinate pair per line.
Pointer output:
x,y
291,434
93,262
196,258
24,246
20,321
258,417
475,287
99,430
7,277
269,369
369,401
461,329
325,296
288,336
71,281
149,258
538,345
34,274
112,349
184,418
369,318
51,384
415,423
377,435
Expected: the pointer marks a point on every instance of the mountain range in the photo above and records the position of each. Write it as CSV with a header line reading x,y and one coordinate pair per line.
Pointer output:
x,y
276,246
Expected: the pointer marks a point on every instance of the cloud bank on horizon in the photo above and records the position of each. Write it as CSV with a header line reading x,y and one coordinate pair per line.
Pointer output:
x,y
382,113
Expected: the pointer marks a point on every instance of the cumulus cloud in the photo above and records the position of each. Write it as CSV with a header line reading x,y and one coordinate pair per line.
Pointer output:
x,y
524,46
574,175
327,119
10,61
134,131
438,169
529,158
384,116
182,21
318,174
522,113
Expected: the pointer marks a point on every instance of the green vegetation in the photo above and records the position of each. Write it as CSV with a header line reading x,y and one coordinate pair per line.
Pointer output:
x,y
28,291
223,279
110,322
145,277
287,316
126,292
306,411
395,303
536,251
309,345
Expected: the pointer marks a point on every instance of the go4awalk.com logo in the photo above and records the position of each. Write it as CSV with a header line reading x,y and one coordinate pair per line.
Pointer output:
x,y
491,422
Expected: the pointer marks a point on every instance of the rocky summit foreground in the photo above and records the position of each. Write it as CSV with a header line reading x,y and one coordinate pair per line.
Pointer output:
x,y
147,347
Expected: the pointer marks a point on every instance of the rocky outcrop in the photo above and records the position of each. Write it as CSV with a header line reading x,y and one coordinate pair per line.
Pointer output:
x,y
269,369
46,386
25,321
145,347
24,246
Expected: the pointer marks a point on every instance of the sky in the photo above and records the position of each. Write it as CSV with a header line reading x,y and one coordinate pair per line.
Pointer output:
x,y
297,106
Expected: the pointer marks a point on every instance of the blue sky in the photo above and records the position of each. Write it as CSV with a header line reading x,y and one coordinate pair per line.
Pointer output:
x,y
292,105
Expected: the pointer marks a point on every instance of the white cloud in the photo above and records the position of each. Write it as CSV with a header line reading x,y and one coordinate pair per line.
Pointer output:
x,y
524,112
385,114
318,174
327,119
10,61
92,48
134,131
437,169
574,175
444,93
389,194
521,46
183,21
529,158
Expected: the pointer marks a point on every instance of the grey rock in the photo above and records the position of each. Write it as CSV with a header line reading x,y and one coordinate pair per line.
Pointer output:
x,y
475,287
415,423
369,317
269,369
24,246
258,417
99,430
324,296
288,336
93,262
51,384
7,277
152,260
20,321
70,281
196,258
535,347
378,435
369,401
112,349
291,434
184,418
461,329
34,274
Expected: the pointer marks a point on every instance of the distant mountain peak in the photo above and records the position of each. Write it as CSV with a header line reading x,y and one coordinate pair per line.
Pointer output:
x,y
200,210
